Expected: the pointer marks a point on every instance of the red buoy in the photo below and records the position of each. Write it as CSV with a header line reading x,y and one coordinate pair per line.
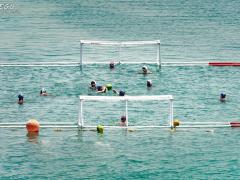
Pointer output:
x,y
224,63
235,124
32,125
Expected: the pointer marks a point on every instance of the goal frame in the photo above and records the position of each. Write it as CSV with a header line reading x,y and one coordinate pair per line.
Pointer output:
x,y
126,99
120,44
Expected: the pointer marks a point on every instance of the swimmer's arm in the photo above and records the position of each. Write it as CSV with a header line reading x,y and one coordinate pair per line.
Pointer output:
x,y
115,92
99,91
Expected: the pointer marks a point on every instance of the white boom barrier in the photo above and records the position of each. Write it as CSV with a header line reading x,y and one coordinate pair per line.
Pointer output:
x,y
42,125
125,99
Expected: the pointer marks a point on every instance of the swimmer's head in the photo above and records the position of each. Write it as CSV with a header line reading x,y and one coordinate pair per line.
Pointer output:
x,y
123,119
121,93
111,65
222,95
149,83
44,90
144,69
93,83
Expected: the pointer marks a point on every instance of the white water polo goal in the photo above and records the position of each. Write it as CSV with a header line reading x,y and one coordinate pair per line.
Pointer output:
x,y
137,112
125,52
126,111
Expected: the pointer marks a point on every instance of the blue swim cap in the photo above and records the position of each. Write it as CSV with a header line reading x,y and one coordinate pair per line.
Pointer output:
x,y
149,83
111,65
223,95
121,93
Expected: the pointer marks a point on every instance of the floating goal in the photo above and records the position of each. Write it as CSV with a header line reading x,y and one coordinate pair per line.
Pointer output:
x,y
126,52
126,111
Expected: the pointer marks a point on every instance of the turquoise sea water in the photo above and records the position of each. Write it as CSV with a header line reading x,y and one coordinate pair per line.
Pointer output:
x,y
37,31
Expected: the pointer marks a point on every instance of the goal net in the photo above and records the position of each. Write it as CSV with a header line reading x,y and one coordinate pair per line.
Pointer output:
x,y
128,52
126,111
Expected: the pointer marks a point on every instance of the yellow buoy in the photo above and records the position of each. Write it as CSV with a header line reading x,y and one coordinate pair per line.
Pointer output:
x,y
109,87
32,125
100,129
131,129
176,123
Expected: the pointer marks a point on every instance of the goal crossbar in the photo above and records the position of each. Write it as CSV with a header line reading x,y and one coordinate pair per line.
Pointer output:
x,y
127,98
129,43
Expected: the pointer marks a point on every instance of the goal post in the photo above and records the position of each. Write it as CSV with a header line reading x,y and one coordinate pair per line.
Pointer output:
x,y
119,47
139,111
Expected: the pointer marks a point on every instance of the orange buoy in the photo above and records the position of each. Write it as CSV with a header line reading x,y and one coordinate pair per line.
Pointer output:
x,y
176,123
32,125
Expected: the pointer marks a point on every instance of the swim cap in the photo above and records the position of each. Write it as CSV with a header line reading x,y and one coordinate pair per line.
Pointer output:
x,y
109,87
123,119
149,83
43,90
223,95
111,65
121,93
93,82
144,67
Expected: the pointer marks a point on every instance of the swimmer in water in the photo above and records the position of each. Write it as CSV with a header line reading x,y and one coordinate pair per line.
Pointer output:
x,y
223,97
93,85
101,89
123,121
149,83
120,93
145,70
43,92
20,98
111,65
